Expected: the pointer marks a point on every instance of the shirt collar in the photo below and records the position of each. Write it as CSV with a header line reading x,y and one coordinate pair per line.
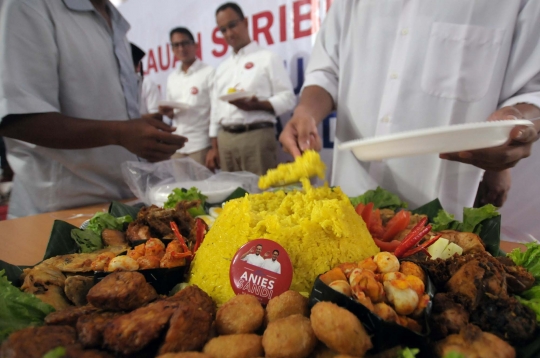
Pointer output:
x,y
249,48
194,67
85,5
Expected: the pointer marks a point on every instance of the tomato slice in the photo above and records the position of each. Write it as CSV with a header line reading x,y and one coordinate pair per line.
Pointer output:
x,y
398,223
387,246
366,214
359,208
375,226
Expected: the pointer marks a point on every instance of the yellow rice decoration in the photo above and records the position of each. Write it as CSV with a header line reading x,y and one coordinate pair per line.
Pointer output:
x,y
306,166
317,226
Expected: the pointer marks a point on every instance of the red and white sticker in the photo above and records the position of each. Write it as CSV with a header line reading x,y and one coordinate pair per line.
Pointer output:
x,y
261,268
194,90
249,65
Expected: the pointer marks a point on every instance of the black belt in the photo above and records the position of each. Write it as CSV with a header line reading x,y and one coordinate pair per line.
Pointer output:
x,y
241,128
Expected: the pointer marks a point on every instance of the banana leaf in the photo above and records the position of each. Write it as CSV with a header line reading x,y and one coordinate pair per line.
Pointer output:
x,y
117,209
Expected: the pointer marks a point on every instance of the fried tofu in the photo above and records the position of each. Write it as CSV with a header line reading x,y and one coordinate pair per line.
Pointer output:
x,y
195,296
68,316
121,291
34,342
90,328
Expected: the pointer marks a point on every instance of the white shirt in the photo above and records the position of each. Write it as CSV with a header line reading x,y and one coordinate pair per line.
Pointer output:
x,y
399,65
193,88
256,70
272,265
69,62
254,259
149,95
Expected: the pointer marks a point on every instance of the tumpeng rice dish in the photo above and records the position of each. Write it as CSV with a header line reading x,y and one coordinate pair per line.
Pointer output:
x,y
317,226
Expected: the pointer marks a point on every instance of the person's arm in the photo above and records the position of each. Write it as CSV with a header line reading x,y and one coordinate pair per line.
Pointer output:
x,y
212,157
148,138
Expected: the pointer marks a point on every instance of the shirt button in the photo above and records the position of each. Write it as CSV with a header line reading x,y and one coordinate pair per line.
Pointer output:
x,y
404,32
385,119
394,76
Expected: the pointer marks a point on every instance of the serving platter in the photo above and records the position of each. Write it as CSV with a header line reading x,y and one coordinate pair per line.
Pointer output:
x,y
175,105
236,95
454,138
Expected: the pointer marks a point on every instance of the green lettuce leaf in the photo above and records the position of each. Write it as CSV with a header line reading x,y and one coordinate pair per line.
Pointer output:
x,y
530,259
532,293
408,352
87,240
57,352
19,310
381,199
472,217
533,304
454,355
102,221
193,193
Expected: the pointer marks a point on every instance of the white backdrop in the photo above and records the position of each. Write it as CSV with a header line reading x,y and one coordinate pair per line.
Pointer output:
x,y
288,28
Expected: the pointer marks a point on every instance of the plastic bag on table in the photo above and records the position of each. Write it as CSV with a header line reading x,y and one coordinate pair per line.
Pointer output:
x,y
153,182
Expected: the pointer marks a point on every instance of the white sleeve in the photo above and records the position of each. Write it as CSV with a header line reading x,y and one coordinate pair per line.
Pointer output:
x,y
152,96
522,78
29,69
214,107
283,98
323,67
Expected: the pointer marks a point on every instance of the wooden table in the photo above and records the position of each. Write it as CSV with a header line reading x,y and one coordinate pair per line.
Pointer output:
x,y
24,240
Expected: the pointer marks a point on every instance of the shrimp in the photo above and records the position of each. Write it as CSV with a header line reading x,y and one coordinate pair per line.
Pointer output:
x,y
102,261
402,296
366,282
122,263
174,259
136,252
148,262
154,247
386,262
341,286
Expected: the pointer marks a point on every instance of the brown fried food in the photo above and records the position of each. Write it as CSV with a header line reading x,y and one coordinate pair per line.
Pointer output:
x,y
76,351
137,231
196,297
121,291
518,278
189,330
76,288
339,329
111,237
289,337
132,332
241,314
148,262
468,241
90,328
46,282
410,268
185,355
473,343
287,304
36,341
68,316
235,346
447,316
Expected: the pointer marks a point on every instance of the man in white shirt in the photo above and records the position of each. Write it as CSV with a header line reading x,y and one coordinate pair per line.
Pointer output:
x,y
191,85
272,264
149,95
254,258
69,107
242,131
393,66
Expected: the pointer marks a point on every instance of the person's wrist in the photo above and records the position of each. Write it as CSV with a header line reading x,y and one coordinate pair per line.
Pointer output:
x,y
116,137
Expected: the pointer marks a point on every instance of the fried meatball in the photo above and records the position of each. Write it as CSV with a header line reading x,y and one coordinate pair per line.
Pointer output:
x,y
121,291
339,329
132,332
188,330
197,297
289,337
36,341
185,355
90,328
235,346
286,304
241,314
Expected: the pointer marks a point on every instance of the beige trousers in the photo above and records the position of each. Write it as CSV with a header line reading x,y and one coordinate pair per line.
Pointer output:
x,y
253,151
199,156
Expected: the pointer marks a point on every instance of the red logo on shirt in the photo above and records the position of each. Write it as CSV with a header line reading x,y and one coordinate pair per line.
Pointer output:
x,y
249,65
194,90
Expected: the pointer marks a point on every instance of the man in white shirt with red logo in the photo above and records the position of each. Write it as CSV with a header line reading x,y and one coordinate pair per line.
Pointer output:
x,y
272,264
242,131
190,85
393,66
253,257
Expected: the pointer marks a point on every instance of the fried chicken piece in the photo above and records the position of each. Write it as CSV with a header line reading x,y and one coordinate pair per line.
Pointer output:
x,y
193,295
121,291
235,346
111,237
76,288
468,241
289,337
46,282
447,316
137,231
189,330
132,332
36,341
241,314
68,316
90,328
287,304
506,318
471,342
518,278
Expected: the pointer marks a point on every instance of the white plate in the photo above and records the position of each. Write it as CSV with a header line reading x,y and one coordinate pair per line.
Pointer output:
x,y
174,104
236,95
448,139
216,191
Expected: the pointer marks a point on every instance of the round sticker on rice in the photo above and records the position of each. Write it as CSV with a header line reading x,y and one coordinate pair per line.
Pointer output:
x,y
261,268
